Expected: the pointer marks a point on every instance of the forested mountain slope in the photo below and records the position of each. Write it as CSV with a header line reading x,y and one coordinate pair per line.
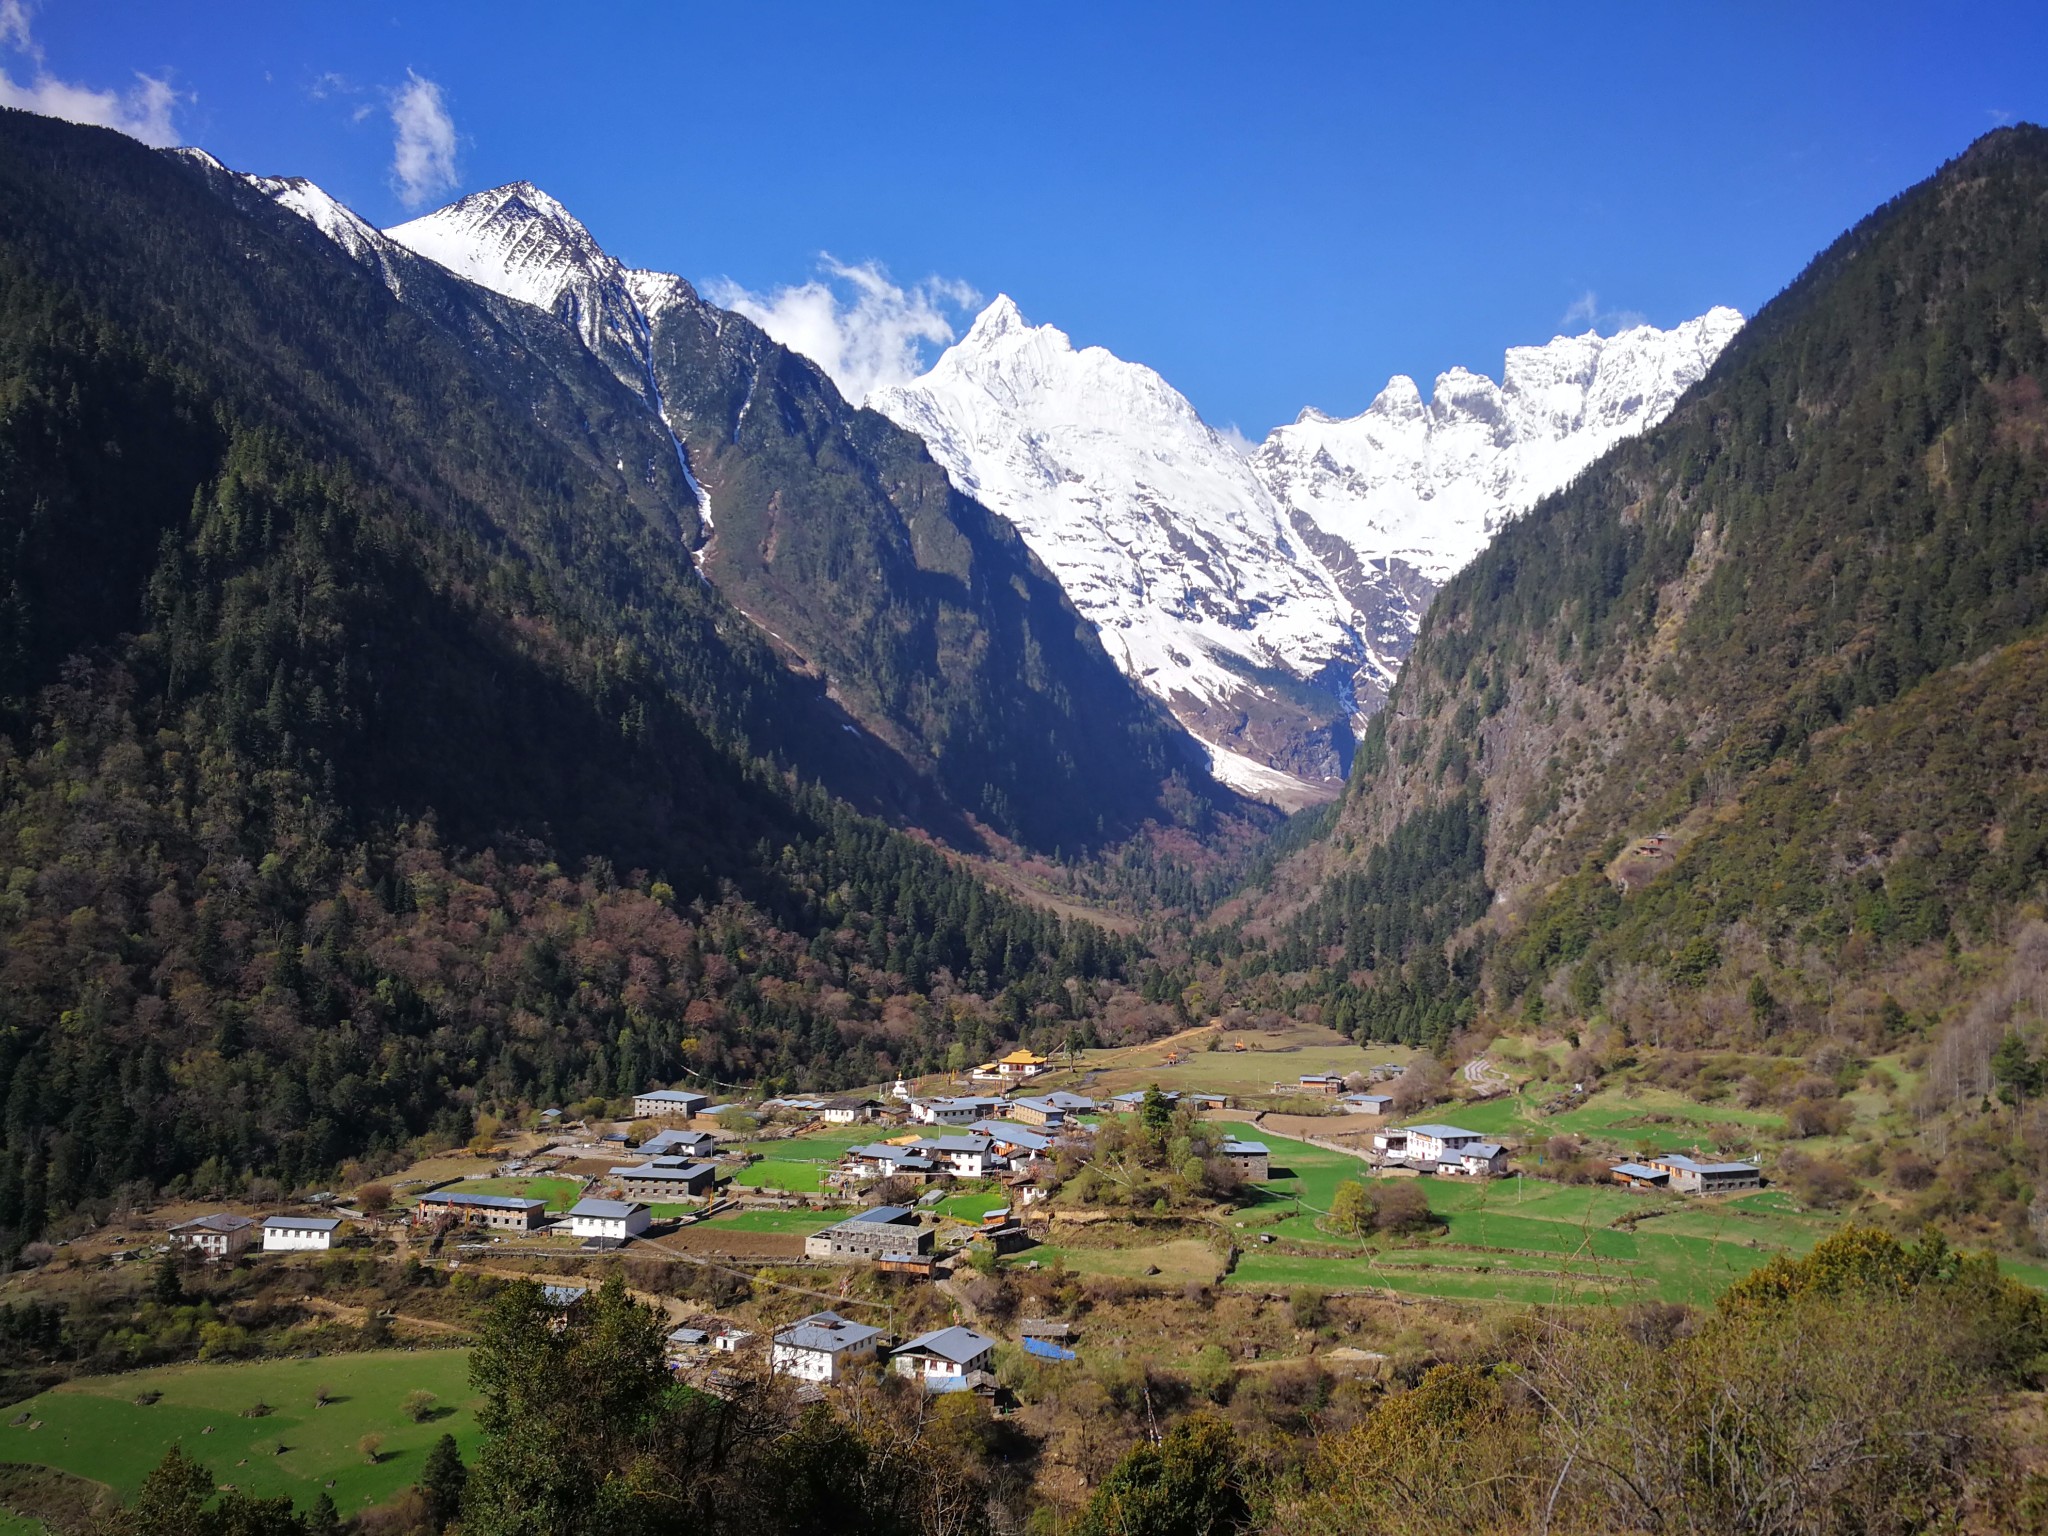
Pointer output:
x,y
371,759
1731,725
922,614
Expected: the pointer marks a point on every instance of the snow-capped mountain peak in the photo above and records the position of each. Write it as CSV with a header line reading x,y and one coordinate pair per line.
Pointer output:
x,y
1159,530
1223,583
518,241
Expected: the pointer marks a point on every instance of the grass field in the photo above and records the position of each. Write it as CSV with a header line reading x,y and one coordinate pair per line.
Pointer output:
x,y
1515,1239
94,1428
1652,1120
804,1222
972,1207
1178,1261
560,1194
798,1163
1272,1056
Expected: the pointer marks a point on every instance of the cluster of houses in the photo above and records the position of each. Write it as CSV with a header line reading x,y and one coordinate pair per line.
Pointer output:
x,y
824,1347
223,1234
1440,1149
1688,1176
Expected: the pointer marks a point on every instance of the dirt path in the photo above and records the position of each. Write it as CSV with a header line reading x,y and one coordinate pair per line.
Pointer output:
x,y
361,1315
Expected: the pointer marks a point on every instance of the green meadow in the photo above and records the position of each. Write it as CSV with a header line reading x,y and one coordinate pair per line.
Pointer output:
x,y
798,1163
1514,1239
98,1428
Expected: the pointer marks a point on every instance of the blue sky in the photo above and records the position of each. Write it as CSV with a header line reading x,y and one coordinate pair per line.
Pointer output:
x,y
1275,205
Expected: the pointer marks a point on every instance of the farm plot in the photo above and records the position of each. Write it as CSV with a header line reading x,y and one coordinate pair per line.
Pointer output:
x,y
109,1430
1515,1239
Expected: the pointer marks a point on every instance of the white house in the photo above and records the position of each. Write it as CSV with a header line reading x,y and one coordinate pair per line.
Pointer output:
x,y
1482,1159
962,1111
614,1219
943,1358
1437,1143
218,1234
848,1110
1010,1139
971,1156
668,1104
822,1347
299,1234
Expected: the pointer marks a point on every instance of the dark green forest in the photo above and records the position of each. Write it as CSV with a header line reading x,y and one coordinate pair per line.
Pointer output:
x,y
1753,616
369,766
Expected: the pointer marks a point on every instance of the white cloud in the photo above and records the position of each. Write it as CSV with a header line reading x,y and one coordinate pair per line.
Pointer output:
x,y
143,111
864,330
1236,441
14,29
423,149
1585,311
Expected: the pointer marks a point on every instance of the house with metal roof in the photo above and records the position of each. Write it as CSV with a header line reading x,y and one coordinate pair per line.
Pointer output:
x,y
299,1234
217,1235
665,1178
609,1220
822,1347
879,1160
1010,1138
1691,1177
849,1109
668,1104
674,1142
1130,1103
969,1156
1036,1112
942,1358
1641,1176
1251,1159
1479,1160
1437,1143
1367,1103
884,1229
964,1110
503,1213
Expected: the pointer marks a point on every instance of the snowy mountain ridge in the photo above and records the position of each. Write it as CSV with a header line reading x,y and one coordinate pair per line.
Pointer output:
x,y
1269,602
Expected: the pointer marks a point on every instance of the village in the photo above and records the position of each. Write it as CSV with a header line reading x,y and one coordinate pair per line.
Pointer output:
x,y
916,1186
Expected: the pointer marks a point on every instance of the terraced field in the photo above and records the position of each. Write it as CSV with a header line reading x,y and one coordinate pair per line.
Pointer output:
x,y
1514,1239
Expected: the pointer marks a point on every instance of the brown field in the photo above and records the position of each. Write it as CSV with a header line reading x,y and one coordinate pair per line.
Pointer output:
x,y
711,1238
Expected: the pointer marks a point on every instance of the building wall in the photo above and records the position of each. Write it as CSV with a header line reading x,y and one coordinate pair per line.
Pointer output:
x,y
292,1240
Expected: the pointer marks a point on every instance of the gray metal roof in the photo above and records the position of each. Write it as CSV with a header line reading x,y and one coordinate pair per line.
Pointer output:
x,y
666,1168
956,1344
302,1223
1245,1149
483,1202
1679,1160
1641,1171
216,1221
1441,1132
607,1210
957,1143
888,1213
826,1332
673,1096
1481,1149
